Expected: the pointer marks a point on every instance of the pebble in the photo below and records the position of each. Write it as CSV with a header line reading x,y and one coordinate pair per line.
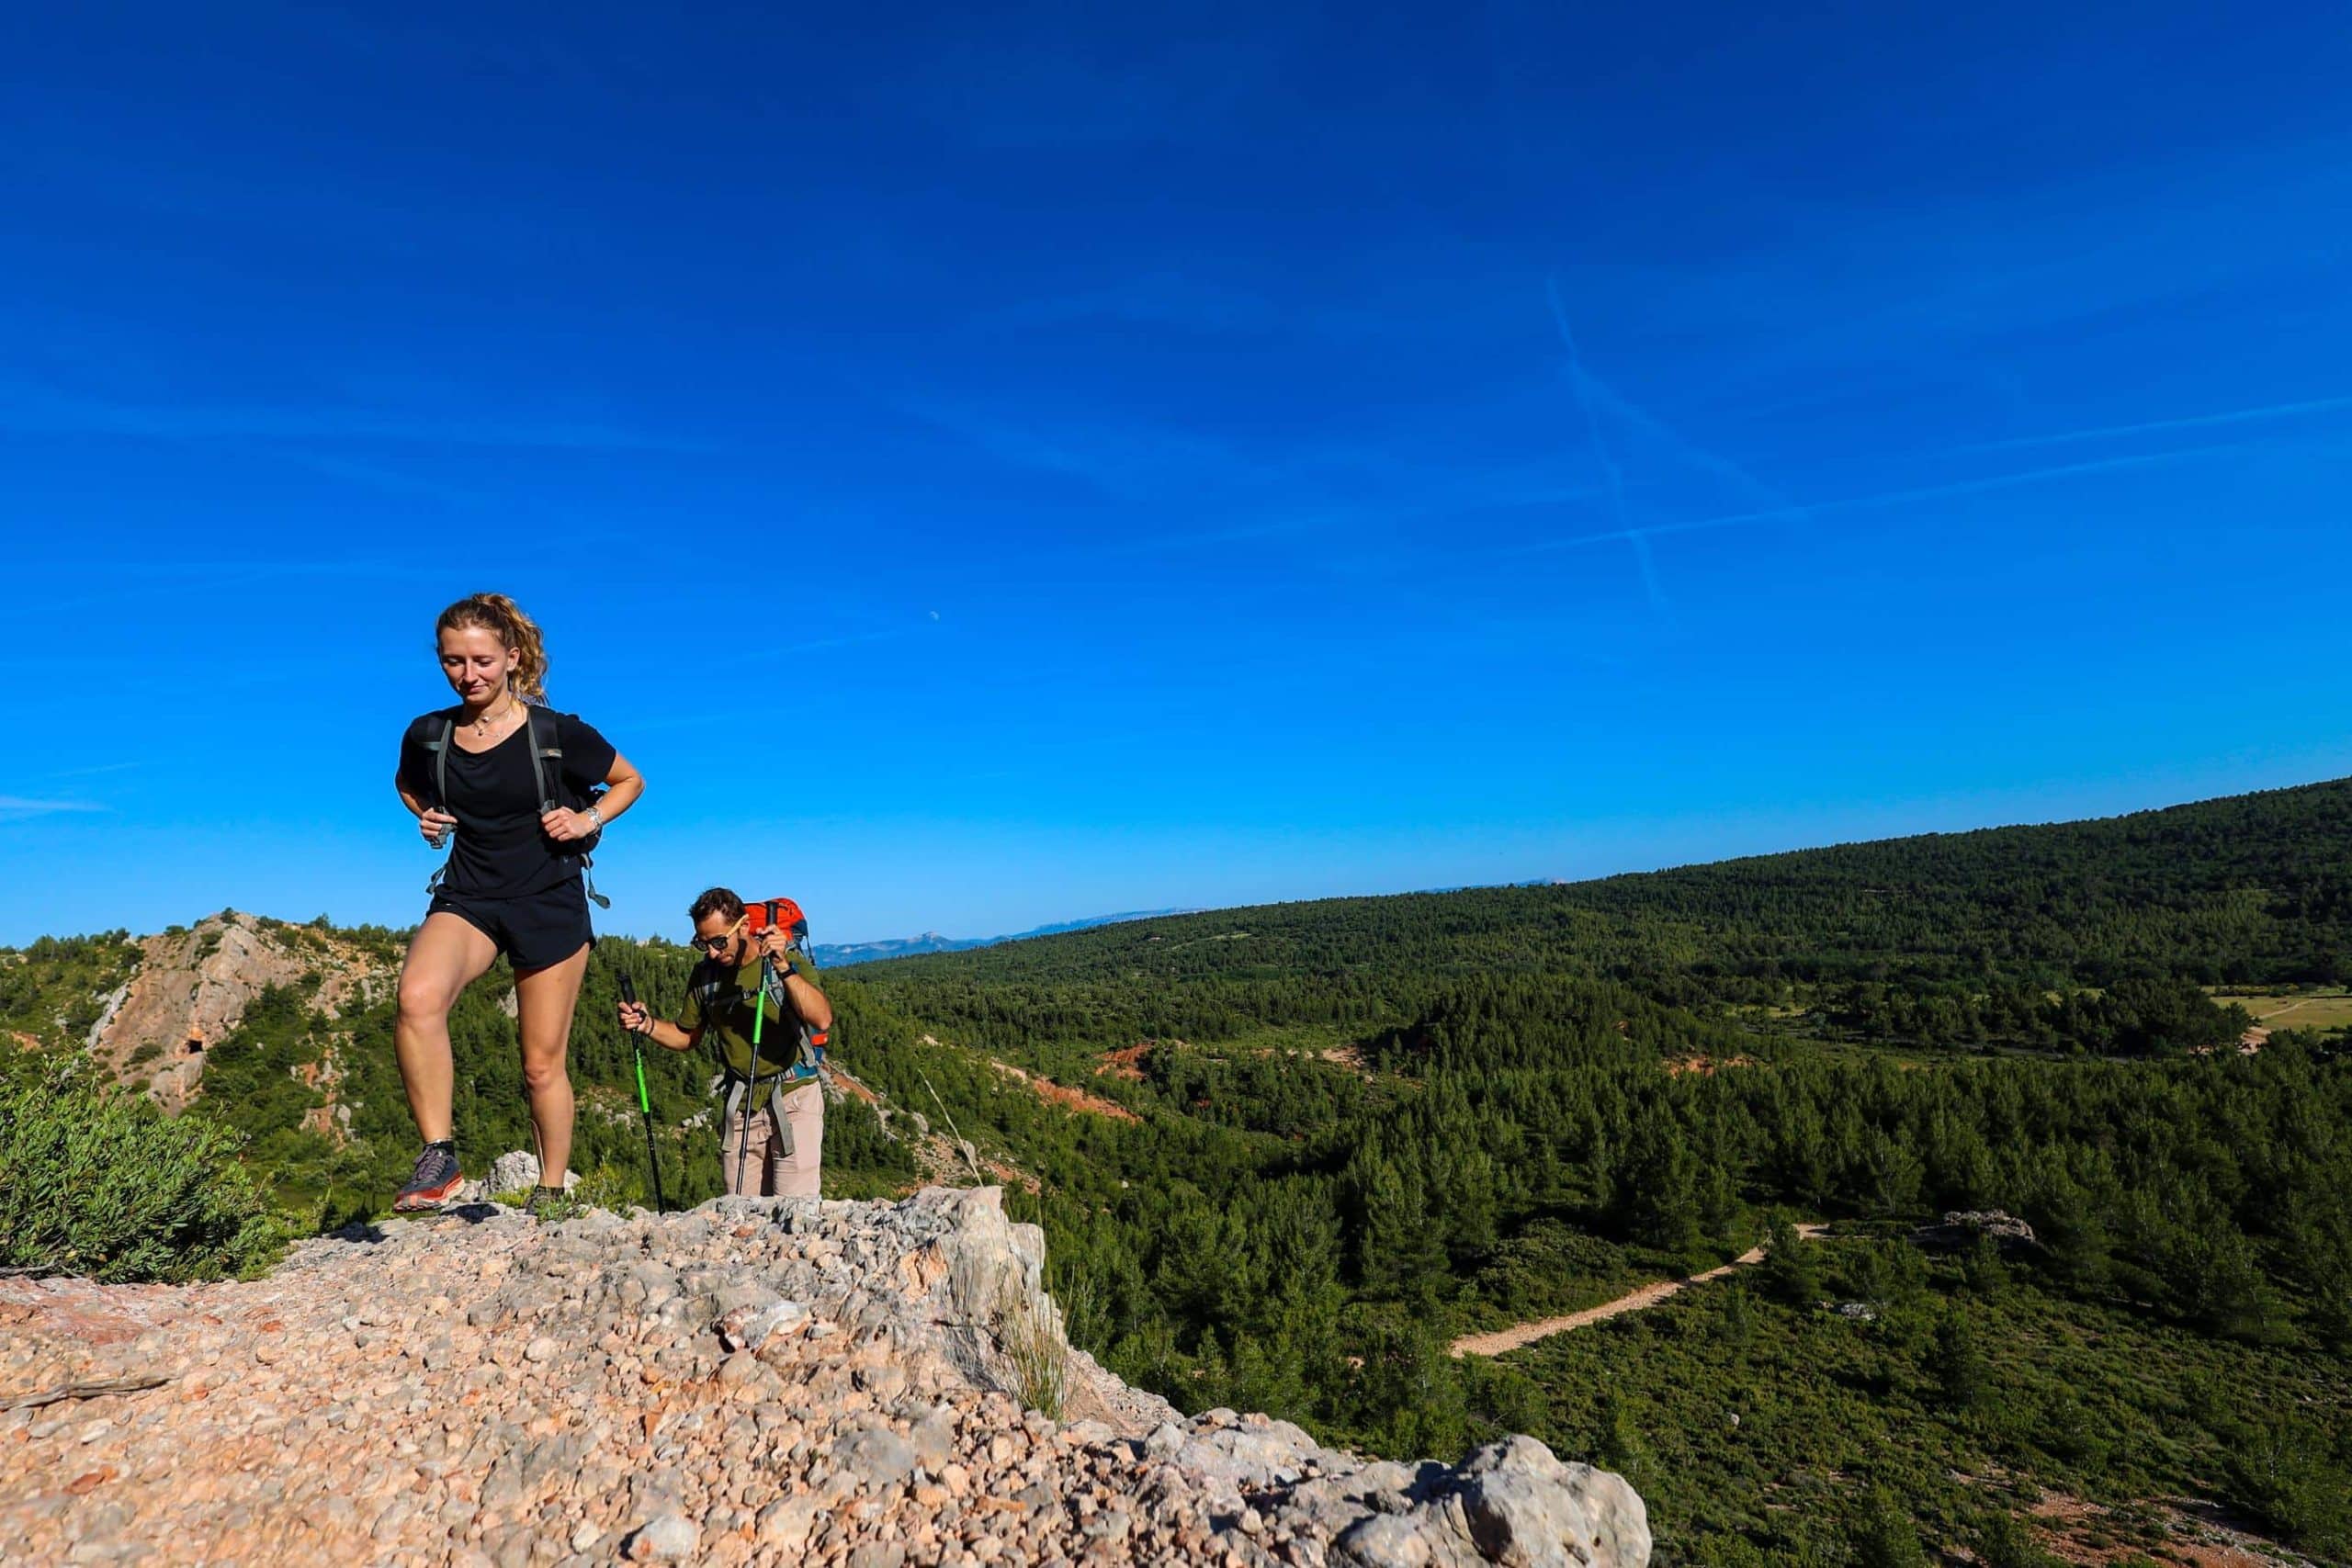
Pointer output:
x,y
671,1538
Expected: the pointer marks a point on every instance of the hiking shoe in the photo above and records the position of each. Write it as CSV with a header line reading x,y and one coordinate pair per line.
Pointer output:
x,y
433,1183
551,1203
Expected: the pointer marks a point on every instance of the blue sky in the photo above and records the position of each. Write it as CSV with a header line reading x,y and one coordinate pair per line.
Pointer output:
x,y
993,468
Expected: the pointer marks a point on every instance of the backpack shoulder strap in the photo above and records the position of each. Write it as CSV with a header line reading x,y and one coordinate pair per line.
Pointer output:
x,y
547,771
439,744
547,754
440,728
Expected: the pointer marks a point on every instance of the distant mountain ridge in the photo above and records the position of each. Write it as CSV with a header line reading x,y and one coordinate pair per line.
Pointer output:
x,y
833,955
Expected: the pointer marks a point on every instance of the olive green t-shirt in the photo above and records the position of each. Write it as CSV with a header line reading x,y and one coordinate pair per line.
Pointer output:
x,y
720,1001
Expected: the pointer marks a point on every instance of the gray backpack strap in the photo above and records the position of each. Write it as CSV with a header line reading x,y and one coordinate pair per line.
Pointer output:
x,y
736,1087
545,750
440,750
785,1145
547,763
439,747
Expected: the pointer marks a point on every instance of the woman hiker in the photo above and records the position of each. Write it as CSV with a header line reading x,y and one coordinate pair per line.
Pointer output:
x,y
516,783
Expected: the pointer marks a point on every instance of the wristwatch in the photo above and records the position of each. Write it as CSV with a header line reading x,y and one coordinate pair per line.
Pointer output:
x,y
596,819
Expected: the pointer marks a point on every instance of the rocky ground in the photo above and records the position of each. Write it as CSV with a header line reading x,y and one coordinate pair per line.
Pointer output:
x,y
757,1381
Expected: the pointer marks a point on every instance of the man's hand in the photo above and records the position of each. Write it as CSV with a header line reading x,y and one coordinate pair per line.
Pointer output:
x,y
777,944
636,1017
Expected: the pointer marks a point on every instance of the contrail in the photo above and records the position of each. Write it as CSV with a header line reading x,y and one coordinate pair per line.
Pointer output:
x,y
1609,469
1615,476
1884,498
2154,426
1592,388
20,805
222,575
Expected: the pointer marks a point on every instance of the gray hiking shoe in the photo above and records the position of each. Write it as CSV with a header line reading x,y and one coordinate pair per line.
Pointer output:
x,y
547,1204
433,1183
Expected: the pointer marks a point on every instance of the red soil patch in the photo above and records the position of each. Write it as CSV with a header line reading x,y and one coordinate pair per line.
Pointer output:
x,y
1064,1096
852,1086
2194,1535
1705,1066
1126,1062
1011,1174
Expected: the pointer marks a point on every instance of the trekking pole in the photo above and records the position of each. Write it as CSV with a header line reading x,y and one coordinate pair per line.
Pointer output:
x,y
644,1100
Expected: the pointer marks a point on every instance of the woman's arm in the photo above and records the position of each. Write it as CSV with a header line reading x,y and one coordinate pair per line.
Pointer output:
x,y
623,783
433,824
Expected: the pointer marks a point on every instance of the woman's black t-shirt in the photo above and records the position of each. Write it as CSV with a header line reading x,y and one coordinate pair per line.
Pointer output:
x,y
499,851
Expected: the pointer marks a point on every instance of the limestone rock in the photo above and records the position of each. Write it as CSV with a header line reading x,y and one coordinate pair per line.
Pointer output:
x,y
672,1538
1961,1226
191,989
758,1379
517,1170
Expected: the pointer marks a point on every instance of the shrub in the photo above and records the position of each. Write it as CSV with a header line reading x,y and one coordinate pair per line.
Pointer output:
x,y
97,1181
1958,1366
1882,1535
2281,1472
2007,1542
608,1186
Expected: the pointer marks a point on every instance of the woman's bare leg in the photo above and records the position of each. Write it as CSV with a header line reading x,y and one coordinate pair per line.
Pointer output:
x,y
544,1000
444,957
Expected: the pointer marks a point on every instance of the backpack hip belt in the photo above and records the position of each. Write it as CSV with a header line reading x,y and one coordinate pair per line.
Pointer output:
x,y
809,1070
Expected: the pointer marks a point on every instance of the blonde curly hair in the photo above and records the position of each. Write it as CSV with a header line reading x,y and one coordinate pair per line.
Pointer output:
x,y
500,616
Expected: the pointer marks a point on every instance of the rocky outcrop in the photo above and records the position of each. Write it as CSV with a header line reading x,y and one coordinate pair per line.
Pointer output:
x,y
1961,1228
191,989
756,1380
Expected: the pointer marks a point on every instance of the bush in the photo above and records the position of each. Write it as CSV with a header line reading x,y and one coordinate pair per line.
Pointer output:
x,y
1882,1535
2007,1542
1958,1366
2281,1472
99,1182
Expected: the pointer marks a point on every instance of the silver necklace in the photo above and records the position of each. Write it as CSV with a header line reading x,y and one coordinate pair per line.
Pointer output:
x,y
482,725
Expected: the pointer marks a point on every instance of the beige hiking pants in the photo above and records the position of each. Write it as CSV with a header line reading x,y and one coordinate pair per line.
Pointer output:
x,y
763,1171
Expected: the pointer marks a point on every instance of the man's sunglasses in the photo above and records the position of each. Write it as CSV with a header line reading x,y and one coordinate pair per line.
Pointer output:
x,y
713,944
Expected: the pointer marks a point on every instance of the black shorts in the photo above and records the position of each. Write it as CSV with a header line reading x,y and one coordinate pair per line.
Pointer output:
x,y
533,931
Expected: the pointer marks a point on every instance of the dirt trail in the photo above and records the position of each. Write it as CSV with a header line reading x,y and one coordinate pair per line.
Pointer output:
x,y
1524,1334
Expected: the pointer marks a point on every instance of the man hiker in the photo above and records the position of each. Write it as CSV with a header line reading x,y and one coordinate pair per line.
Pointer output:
x,y
773,1135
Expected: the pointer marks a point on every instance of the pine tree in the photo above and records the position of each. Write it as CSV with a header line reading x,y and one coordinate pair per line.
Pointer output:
x,y
1789,1275
1883,1535
1958,1366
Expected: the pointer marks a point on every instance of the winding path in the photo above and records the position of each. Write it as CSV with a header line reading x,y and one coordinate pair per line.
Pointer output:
x,y
1523,1333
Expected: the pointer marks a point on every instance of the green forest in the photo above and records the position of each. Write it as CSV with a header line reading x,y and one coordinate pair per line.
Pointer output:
x,y
1359,1128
